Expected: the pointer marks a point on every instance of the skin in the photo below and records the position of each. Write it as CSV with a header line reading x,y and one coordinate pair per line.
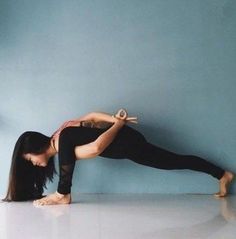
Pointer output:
x,y
41,160
224,184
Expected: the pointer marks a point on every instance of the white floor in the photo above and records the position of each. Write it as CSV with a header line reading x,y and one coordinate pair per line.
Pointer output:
x,y
122,216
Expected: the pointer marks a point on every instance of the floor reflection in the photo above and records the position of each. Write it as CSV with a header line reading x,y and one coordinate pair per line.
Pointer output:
x,y
121,215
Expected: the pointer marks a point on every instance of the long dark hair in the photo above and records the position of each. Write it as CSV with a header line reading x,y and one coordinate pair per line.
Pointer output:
x,y
26,181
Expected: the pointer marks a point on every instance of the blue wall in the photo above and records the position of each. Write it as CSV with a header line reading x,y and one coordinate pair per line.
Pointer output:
x,y
170,63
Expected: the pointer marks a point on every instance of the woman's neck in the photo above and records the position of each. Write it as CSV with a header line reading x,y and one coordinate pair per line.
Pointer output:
x,y
51,151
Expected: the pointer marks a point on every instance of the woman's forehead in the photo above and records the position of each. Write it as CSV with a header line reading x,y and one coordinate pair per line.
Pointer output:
x,y
26,155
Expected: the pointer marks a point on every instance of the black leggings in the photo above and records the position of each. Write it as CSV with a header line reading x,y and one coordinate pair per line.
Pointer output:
x,y
136,148
151,155
128,144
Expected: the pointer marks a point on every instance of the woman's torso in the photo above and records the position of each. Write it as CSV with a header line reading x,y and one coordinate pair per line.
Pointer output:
x,y
76,123
83,133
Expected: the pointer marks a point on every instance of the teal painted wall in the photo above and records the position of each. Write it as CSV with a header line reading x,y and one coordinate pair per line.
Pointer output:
x,y
170,63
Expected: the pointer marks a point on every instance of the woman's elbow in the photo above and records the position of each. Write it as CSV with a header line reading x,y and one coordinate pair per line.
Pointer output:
x,y
100,149
97,149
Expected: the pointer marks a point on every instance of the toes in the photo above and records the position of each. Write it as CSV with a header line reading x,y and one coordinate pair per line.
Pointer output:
x,y
220,194
40,202
37,204
216,194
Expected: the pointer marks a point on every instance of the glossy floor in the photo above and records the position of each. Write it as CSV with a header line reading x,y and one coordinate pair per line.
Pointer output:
x,y
123,216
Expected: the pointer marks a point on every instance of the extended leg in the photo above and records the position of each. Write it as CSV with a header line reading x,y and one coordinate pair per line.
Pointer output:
x,y
151,155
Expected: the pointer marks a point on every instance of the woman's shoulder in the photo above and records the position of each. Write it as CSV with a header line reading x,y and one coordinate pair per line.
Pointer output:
x,y
65,125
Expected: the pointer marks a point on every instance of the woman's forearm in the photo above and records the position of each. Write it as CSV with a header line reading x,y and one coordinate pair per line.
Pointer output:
x,y
108,136
101,116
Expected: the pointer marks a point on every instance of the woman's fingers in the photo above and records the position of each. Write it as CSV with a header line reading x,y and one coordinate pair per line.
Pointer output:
x,y
132,121
122,114
131,118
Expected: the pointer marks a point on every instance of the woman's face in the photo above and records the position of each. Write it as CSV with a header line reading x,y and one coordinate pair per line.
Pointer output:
x,y
36,159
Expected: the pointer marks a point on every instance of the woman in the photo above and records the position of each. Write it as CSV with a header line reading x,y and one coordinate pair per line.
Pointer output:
x,y
95,134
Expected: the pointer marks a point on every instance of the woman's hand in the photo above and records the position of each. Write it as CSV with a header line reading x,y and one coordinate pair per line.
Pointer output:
x,y
52,199
123,115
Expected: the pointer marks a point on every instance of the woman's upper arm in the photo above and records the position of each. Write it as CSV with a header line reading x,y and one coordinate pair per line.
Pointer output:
x,y
86,151
89,116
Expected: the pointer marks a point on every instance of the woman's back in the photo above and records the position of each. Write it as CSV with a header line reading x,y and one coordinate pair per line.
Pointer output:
x,y
127,137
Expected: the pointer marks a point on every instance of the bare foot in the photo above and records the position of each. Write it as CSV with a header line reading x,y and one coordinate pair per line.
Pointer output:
x,y
224,183
52,199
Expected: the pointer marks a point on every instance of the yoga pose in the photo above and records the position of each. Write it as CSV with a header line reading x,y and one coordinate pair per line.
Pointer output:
x,y
95,134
